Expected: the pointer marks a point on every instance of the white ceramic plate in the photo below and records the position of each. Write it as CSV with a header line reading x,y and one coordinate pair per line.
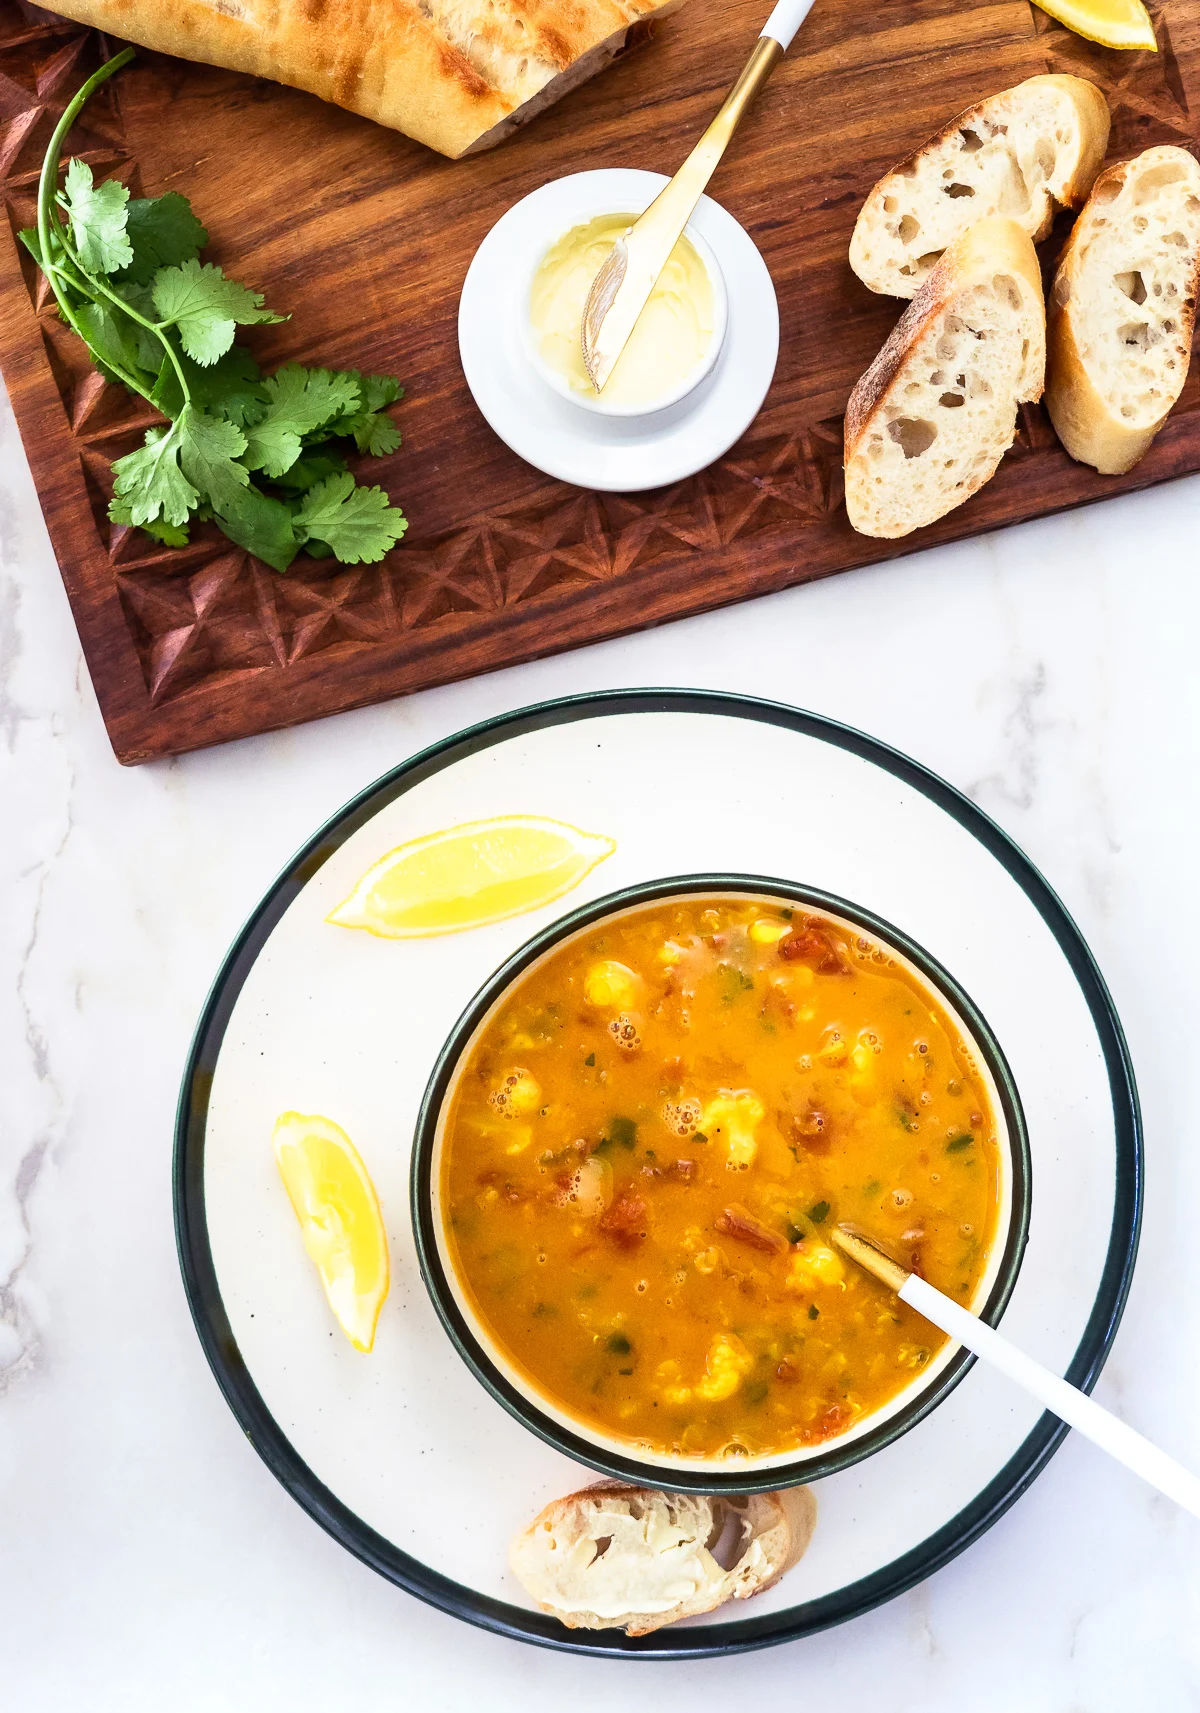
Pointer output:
x,y
402,1455
615,454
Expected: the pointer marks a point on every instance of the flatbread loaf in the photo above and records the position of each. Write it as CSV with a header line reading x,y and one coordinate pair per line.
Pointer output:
x,y
1123,307
1022,153
617,1557
459,75
929,422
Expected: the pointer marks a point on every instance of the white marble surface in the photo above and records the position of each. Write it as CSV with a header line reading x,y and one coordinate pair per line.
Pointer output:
x,y
147,1558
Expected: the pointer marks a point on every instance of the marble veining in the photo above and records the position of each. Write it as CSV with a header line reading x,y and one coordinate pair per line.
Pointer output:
x,y
147,1558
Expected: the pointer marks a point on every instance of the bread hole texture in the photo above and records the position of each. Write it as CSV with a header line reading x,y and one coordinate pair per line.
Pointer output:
x,y
1132,290
1014,154
948,417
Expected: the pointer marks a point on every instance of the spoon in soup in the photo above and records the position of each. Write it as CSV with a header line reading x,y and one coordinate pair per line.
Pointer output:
x,y
1067,1402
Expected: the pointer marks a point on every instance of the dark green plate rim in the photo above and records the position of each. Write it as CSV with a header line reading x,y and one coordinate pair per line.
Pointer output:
x,y
269,1440
464,1337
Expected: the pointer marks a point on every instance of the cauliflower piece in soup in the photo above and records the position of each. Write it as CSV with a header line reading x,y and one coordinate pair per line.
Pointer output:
x,y
814,1264
732,1118
610,986
517,1095
726,1366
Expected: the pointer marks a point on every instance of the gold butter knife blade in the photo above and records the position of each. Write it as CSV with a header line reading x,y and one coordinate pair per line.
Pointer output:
x,y
622,287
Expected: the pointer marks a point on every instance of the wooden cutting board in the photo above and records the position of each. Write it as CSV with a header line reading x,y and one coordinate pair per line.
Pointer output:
x,y
365,238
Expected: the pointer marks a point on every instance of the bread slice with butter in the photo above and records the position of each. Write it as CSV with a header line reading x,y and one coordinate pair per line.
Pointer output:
x,y
458,75
1021,154
1123,308
617,1557
929,422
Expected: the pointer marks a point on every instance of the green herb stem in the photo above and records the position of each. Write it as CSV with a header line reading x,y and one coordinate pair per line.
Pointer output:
x,y
50,229
50,232
100,289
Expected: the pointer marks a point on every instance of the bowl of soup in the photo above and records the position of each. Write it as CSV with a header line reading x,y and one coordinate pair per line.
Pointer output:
x,y
634,1147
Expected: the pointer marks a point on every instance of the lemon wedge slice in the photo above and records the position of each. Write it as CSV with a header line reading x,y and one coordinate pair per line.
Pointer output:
x,y
335,1202
1113,23
467,876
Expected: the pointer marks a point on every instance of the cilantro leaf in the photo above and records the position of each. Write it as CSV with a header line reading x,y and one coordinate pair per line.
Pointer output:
x,y
298,401
98,217
228,388
310,468
374,433
377,391
170,534
272,446
312,397
163,232
260,524
151,483
380,390
206,308
114,339
148,343
208,449
33,243
357,524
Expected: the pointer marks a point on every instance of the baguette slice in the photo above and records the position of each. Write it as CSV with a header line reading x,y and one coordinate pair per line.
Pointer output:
x,y
614,1557
458,75
1019,153
934,414
1123,308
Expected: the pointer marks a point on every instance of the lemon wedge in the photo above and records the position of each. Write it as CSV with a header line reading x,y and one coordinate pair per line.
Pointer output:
x,y
467,876
335,1202
1113,23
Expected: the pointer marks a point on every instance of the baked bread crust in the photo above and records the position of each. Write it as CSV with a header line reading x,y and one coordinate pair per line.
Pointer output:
x,y
1022,153
1108,425
614,1556
990,274
458,75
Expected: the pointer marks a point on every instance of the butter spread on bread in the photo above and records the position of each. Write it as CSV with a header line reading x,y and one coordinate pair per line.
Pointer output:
x,y
932,417
1021,153
631,1558
1122,309
459,75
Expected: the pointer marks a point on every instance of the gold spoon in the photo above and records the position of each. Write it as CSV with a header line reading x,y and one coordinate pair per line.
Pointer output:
x,y
630,271
1067,1402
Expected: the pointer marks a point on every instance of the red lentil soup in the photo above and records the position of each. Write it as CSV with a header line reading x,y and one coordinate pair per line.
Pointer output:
x,y
648,1144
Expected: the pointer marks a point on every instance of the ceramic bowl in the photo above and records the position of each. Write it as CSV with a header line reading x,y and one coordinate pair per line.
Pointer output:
x,y
537,1409
591,205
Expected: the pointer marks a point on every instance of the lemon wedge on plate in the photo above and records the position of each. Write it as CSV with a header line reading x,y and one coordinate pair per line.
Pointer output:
x,y
467,876
1113,23
335,1202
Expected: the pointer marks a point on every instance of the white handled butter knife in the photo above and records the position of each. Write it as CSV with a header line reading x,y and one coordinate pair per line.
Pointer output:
x,y
1067,1402
630,271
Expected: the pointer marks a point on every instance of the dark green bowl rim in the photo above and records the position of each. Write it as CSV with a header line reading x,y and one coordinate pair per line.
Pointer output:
x,y
464,1337
499,1616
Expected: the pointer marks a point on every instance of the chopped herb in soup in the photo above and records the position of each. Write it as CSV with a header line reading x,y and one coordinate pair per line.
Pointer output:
x,y
649,1143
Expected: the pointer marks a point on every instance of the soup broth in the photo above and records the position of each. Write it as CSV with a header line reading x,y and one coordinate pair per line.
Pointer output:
x,y
648,1145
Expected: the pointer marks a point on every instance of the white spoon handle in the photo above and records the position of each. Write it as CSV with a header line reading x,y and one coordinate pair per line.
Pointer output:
x,y
785,20
1068,1403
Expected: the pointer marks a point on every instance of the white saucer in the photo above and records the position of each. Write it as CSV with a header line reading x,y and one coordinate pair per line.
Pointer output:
x,y
617,455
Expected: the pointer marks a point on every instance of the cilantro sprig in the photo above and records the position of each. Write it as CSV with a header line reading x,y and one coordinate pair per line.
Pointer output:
x,y
128,279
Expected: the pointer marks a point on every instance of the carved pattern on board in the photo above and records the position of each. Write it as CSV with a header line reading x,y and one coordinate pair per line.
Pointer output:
x,y
204,612
209,614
